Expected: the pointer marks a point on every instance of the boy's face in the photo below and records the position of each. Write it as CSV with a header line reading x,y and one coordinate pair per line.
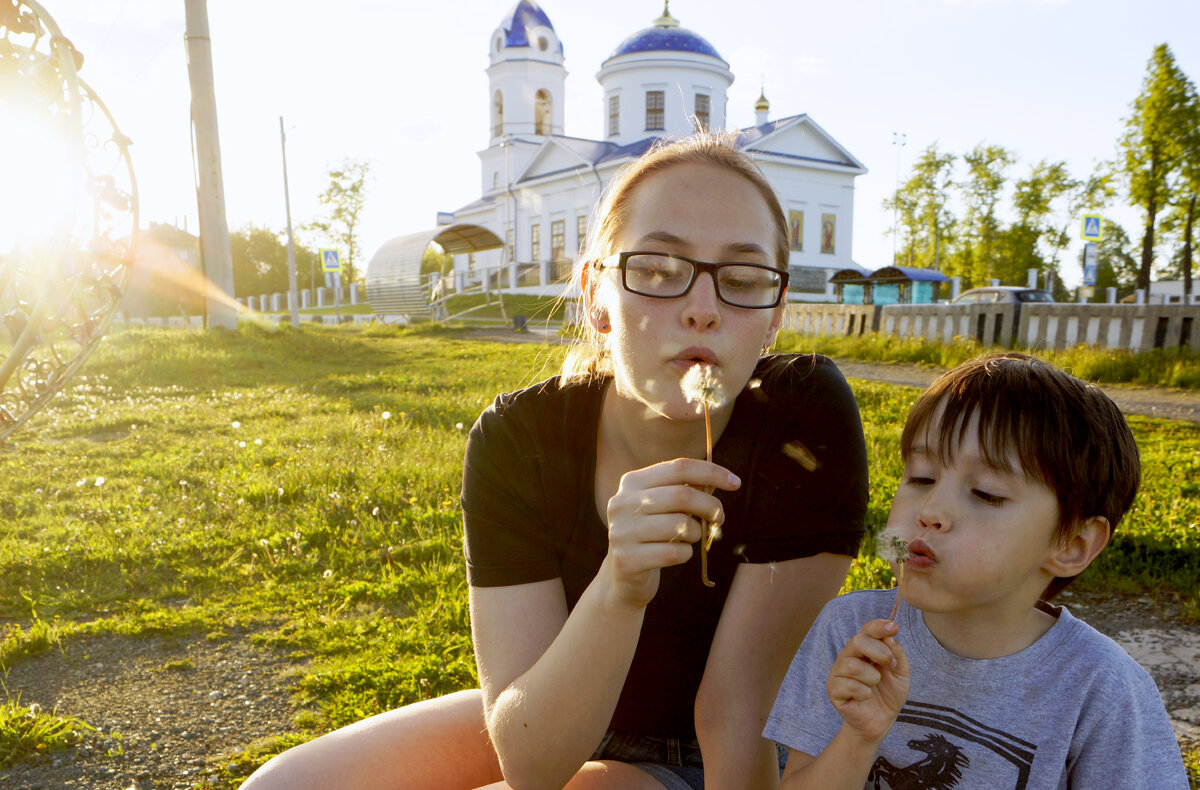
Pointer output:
x,y
979,538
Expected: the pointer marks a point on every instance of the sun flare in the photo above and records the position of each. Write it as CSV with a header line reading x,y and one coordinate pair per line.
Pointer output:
x,y
41,177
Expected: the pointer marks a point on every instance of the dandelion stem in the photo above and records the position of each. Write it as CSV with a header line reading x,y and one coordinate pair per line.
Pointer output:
x,y
899,582
705,526
701,385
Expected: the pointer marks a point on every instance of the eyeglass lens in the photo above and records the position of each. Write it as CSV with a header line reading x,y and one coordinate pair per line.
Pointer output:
x,y
743,285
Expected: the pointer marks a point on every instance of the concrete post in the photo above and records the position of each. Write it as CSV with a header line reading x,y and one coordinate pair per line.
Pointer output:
x,y
214,229
1111,295
1031,278
994,281
955,287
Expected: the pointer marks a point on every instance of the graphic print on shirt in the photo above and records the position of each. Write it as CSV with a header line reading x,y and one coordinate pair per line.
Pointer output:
x,y
939,769
946,746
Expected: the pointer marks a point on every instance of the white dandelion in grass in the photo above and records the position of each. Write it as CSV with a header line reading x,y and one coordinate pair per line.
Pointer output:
x,y
893,549
702,385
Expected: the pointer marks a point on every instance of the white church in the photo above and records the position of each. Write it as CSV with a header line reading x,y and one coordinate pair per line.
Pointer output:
x,y
539,185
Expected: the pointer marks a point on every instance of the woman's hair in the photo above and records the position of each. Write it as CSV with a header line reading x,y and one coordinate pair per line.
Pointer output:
x,y
589,357
1066,434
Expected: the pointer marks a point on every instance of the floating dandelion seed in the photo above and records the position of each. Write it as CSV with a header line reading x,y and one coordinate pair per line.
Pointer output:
x,y
801,455
702,385
894,549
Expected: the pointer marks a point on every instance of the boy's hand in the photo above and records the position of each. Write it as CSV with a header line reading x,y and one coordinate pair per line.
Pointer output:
x,y
868,682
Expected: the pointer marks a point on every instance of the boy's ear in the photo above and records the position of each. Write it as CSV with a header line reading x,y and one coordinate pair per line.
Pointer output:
x,y
1072,556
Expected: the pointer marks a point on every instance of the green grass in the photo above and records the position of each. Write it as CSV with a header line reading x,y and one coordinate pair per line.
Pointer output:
x,y
302,486
1159,367
25,732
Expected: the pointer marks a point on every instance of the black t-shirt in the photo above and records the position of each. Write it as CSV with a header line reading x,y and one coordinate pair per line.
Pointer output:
x,y
795,439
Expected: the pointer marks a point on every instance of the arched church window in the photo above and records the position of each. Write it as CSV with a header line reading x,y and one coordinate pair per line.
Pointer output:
x,y
499,43
498,115
542,113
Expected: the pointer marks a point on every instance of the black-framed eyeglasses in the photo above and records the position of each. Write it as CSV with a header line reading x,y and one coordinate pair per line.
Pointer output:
x,y
665,275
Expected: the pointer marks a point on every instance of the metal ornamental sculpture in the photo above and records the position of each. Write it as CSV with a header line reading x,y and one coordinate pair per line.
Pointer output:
x,y
68,213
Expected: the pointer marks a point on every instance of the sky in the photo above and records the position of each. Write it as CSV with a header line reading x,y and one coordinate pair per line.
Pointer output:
x,y
402,85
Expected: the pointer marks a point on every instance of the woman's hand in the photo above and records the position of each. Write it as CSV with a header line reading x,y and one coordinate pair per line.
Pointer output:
x,y
653,520
868,682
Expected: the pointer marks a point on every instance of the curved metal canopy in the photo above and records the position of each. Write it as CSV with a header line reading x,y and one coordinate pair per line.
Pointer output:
x,y
393,278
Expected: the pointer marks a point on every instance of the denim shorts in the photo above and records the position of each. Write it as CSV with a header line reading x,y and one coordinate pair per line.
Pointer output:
x,y
674,762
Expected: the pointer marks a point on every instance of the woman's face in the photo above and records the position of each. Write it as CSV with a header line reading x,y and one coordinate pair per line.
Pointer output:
x,y
710,214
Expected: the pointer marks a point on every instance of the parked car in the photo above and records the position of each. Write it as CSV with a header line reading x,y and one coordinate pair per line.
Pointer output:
x,y
1002,294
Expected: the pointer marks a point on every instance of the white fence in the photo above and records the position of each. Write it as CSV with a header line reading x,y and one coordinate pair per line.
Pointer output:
x,y
1134,327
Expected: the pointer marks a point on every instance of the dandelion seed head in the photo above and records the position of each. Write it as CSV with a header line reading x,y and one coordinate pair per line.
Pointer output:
x,y
387,415
891,547
328,573
702,385
236,425
241,444
258,442
99,482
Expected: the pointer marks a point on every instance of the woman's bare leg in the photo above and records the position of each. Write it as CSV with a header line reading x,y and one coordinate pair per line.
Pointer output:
x,y
603,775
438,744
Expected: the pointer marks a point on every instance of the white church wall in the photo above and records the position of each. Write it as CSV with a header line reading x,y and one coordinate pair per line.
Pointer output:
x,y
680,77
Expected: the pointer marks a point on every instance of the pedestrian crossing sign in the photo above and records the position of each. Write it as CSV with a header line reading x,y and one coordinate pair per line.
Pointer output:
x,y
1091,227
329,261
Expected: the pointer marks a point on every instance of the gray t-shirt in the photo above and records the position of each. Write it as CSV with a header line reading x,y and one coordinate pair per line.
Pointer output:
x,y
1072,710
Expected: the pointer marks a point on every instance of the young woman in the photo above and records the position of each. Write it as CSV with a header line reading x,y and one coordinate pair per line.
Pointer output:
x,y
604,658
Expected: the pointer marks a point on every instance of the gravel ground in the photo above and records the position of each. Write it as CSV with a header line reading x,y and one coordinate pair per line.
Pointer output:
x,y
164,709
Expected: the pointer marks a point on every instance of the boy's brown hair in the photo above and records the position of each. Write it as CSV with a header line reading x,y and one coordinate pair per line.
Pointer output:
x,y
1066,434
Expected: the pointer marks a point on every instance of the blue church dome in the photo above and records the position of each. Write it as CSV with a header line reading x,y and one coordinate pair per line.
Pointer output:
x,y
665,35
521,21
654,39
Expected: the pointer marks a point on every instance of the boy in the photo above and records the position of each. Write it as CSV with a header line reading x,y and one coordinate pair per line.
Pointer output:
x,y
1015,475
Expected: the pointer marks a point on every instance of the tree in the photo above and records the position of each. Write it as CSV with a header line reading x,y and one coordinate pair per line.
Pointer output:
x,y
1042,230
922,205
1184,199
343,200
986,166
1153,147
260,261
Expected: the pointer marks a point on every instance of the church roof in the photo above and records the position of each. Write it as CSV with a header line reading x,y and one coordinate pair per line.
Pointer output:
x,y
524,17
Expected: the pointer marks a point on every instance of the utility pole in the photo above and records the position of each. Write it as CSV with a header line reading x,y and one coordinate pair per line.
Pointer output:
x,y
220,307
293,292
